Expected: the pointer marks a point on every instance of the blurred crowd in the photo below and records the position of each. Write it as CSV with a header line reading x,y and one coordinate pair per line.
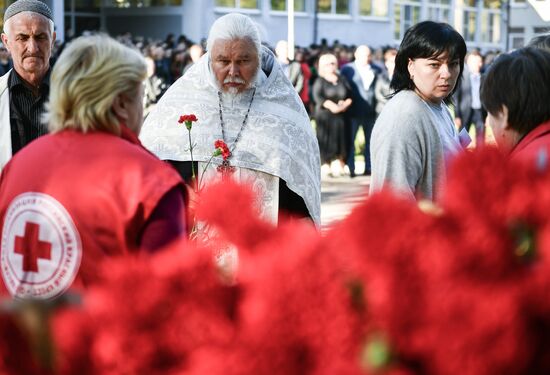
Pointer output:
x,y
366,75
172,57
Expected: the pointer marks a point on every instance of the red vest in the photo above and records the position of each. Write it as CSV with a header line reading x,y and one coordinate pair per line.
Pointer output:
x,y
535,144
69,199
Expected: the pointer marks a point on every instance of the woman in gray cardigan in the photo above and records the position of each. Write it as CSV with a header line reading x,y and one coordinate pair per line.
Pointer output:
x,y
414,137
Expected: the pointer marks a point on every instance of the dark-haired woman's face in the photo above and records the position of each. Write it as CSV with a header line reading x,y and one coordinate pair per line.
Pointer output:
x,y
434,78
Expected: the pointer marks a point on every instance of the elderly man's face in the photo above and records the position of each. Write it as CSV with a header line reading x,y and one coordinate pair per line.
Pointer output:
x,y
30,41
362,55
235,64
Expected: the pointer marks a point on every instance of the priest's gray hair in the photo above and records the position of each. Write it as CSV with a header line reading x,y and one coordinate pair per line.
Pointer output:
x,y
234,26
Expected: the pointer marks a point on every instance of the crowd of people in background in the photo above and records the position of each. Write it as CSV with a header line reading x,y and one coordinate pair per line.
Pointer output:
x,y
344,88
365,72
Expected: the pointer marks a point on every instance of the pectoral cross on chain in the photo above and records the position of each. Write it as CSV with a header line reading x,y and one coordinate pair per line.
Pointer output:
x,y
225,169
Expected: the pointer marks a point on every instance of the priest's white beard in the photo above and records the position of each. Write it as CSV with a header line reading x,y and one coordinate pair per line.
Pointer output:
x,y
233,92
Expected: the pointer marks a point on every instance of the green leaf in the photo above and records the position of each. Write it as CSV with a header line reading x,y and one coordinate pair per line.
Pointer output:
x,y
376,353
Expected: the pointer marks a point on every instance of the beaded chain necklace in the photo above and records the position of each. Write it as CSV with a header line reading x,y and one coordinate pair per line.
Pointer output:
x,y
226,166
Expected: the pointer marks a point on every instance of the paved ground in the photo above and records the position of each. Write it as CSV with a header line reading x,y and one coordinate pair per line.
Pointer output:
x,y
339,196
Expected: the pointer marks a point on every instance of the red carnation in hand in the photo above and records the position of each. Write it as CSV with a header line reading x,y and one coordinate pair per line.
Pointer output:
x,y
188,119
222,149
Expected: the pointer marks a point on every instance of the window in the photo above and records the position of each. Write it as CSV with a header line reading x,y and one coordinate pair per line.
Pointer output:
x,y
469,21
516,30
406,14
86,5
491,21
517,42
492,4
469,26
333,6
242,4
84,23
490,27
376,8
439,10
280,5
140,3
3,5
83,15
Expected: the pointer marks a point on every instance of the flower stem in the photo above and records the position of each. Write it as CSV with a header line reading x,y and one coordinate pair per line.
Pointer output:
x,y
193,177
201,177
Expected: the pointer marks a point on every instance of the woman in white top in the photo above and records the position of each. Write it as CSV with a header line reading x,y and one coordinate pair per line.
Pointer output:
x,y
414,136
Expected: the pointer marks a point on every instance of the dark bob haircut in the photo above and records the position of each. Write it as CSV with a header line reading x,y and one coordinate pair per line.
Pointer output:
x,y
519,80
425,40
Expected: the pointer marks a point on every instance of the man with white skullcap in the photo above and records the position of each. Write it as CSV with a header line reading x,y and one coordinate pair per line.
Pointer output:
x,y
29,36
240,95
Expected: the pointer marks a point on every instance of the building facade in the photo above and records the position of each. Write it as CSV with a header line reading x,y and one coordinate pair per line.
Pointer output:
x,y
483,23
525,23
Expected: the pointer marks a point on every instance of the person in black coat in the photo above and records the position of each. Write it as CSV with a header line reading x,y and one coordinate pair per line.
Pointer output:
x,y
468,108
361,75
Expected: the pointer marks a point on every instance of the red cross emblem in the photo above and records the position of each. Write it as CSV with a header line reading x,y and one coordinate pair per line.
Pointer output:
x,y
31,248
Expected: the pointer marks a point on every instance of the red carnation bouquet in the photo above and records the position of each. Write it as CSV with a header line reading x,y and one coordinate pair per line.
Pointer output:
x,y
395,288
463,287
148,316
220,148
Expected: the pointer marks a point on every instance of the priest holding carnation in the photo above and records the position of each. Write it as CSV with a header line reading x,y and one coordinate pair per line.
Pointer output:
x,y
241,96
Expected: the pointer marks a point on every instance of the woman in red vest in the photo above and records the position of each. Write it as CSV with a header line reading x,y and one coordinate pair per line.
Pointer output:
x,y
89,188
515,92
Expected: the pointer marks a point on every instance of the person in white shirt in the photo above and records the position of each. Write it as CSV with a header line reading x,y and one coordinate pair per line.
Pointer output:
x,y
361,75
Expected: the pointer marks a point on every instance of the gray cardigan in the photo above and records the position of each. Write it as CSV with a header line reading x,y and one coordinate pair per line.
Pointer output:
x,y
406,148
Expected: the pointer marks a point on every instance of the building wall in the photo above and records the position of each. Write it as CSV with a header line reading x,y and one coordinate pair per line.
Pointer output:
x,y
194,18
57,8
350,29
145,25
197,18
525,23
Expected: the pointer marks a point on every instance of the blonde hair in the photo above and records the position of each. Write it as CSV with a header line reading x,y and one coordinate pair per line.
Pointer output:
x,y
86,79
324,60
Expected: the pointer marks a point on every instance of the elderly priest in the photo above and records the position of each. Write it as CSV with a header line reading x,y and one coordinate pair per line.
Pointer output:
x,y
240,95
